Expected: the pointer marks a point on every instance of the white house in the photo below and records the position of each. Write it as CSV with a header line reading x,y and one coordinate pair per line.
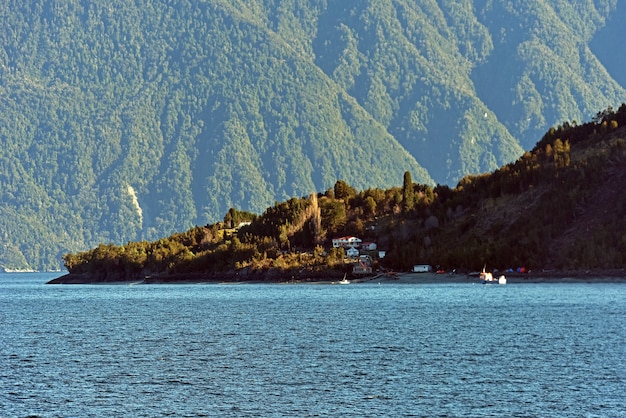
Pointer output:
x,y
346,242
352,252
368,246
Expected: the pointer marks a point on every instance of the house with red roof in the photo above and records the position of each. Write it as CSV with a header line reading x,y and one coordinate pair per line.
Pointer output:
x,y
346,242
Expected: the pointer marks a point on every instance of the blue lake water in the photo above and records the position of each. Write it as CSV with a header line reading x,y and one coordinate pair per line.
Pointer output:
x,y
311,350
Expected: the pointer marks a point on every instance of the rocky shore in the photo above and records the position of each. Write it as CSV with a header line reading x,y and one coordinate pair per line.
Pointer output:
x,y
333,276
240,276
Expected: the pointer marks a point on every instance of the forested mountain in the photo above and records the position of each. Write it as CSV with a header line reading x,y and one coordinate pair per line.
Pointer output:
x,y
125,121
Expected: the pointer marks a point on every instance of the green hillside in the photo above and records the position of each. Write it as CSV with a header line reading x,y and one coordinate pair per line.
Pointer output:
x,y
559,207
124,121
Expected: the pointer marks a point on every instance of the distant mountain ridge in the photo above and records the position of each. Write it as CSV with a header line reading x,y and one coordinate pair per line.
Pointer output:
x,y
126,121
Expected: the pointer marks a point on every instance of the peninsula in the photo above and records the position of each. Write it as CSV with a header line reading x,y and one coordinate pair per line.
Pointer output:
x,y
557,210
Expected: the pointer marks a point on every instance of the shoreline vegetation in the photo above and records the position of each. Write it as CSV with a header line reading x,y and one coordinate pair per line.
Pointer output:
x,y
556,214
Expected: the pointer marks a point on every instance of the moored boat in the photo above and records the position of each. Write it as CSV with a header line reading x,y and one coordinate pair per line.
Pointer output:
x,y
487,278
344,280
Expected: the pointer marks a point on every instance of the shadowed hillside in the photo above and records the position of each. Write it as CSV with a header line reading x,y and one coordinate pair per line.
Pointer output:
x,y
560,206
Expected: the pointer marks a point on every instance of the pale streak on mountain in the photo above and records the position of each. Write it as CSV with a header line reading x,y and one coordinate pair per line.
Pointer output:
x,y
203,106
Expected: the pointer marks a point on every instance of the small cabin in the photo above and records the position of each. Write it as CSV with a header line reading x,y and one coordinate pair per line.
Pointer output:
x,y
370,246
361,269
422,268
352,252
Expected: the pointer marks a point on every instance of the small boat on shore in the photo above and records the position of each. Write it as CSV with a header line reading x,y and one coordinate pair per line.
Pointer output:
x,y
487,278
342,281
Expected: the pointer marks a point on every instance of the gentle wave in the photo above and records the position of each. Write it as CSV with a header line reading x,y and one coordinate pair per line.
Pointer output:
x,y
269,350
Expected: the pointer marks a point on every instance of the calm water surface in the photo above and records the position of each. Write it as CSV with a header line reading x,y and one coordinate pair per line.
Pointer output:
x,y
311,350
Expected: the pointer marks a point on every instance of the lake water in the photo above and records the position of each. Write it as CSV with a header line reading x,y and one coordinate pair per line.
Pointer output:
x,y
311,350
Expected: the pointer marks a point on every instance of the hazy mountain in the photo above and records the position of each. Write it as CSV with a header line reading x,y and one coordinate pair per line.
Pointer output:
x,y
122,121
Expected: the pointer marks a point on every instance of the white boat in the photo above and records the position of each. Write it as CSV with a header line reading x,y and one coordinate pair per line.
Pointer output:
x,y
487,278
344,280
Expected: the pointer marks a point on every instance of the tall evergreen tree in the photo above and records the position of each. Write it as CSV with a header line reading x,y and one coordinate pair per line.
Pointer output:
x,y
408,194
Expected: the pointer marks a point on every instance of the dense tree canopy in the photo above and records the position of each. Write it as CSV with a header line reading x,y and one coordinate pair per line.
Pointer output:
x,y
538,212
124,121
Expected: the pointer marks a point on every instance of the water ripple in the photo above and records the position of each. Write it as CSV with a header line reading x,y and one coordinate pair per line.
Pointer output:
x,y
527,350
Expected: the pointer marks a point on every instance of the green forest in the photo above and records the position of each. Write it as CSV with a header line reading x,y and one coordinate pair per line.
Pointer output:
x,y
129,121
559,206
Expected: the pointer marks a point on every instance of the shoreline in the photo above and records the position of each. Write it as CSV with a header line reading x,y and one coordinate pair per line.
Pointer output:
x,y
433,278
587,276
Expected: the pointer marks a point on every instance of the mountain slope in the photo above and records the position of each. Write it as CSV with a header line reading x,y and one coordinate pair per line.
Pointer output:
x,y
193,115
402,62
541,71
122,121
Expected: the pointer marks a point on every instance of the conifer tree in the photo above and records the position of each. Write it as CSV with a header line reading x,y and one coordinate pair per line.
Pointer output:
x,y
408,194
